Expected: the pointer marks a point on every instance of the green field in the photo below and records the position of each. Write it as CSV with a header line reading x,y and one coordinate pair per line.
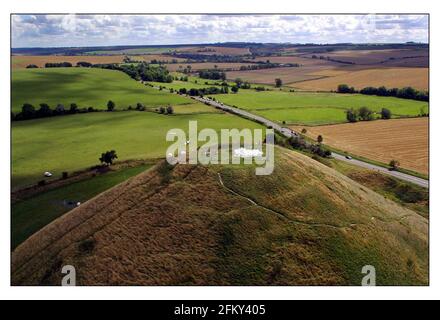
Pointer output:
x,y
315,108
30,215
76,142
87,87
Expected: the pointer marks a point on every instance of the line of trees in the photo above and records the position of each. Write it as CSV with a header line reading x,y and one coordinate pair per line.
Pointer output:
x,y
212,74
58,65
28,111
268,65
204,91
141,71
300,143
404,93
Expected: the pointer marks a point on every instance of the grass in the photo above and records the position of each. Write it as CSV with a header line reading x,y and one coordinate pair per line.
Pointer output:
x,y
87,87
30,215
75,142
407,194
310,225
315,108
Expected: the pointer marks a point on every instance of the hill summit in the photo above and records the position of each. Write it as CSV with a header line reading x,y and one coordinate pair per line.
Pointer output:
x,y
305,224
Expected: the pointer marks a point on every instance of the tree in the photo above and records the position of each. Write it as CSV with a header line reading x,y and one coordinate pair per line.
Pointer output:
x,y
31,66
394,164
170,110
161,110
140,107
320,139
278,82
73,108
108,157
110,105
59,109
28,111
304,131
365,114
234,89
44,110
352,115
238,82
83,64
343,88
385,113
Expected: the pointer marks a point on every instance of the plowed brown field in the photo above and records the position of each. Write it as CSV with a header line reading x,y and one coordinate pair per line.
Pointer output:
x,y
405,140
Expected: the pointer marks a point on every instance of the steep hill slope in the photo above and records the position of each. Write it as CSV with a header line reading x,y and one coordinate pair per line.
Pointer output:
x,y
305,224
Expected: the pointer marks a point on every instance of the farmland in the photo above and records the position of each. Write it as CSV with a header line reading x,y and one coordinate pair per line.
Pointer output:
x,y
315,108
20,62
75,142
206,65
388,77
87,87
211,50
32,214
180,226
405,140
268,76
377,57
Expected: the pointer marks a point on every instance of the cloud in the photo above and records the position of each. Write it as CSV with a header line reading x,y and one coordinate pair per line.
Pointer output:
x,y
95,30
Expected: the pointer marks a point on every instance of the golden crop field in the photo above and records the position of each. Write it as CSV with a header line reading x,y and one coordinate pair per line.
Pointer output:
x,y
405,140
388,77
20,62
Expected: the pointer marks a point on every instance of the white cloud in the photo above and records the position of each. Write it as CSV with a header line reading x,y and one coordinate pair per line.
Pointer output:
x,y
88,30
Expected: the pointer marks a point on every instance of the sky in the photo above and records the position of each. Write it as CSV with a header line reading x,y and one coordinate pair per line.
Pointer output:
x,y
109,30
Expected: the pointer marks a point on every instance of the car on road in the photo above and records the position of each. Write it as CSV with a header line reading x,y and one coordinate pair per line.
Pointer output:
x,y
348,157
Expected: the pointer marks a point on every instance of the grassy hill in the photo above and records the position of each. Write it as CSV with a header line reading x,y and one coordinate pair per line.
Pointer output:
x,y
305,224
87,87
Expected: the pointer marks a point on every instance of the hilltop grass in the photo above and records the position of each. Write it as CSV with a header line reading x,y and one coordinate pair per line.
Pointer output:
x,y
87,87
316,108
308,225
30,215
75,142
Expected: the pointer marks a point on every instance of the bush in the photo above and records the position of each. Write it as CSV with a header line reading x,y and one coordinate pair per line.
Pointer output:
x,y
365,114
352,115
385,113
140,107
58,65
110,105
343,88
108,157
394,164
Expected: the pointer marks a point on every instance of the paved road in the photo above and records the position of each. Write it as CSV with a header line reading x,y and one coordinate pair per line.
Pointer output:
x,y
289,133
